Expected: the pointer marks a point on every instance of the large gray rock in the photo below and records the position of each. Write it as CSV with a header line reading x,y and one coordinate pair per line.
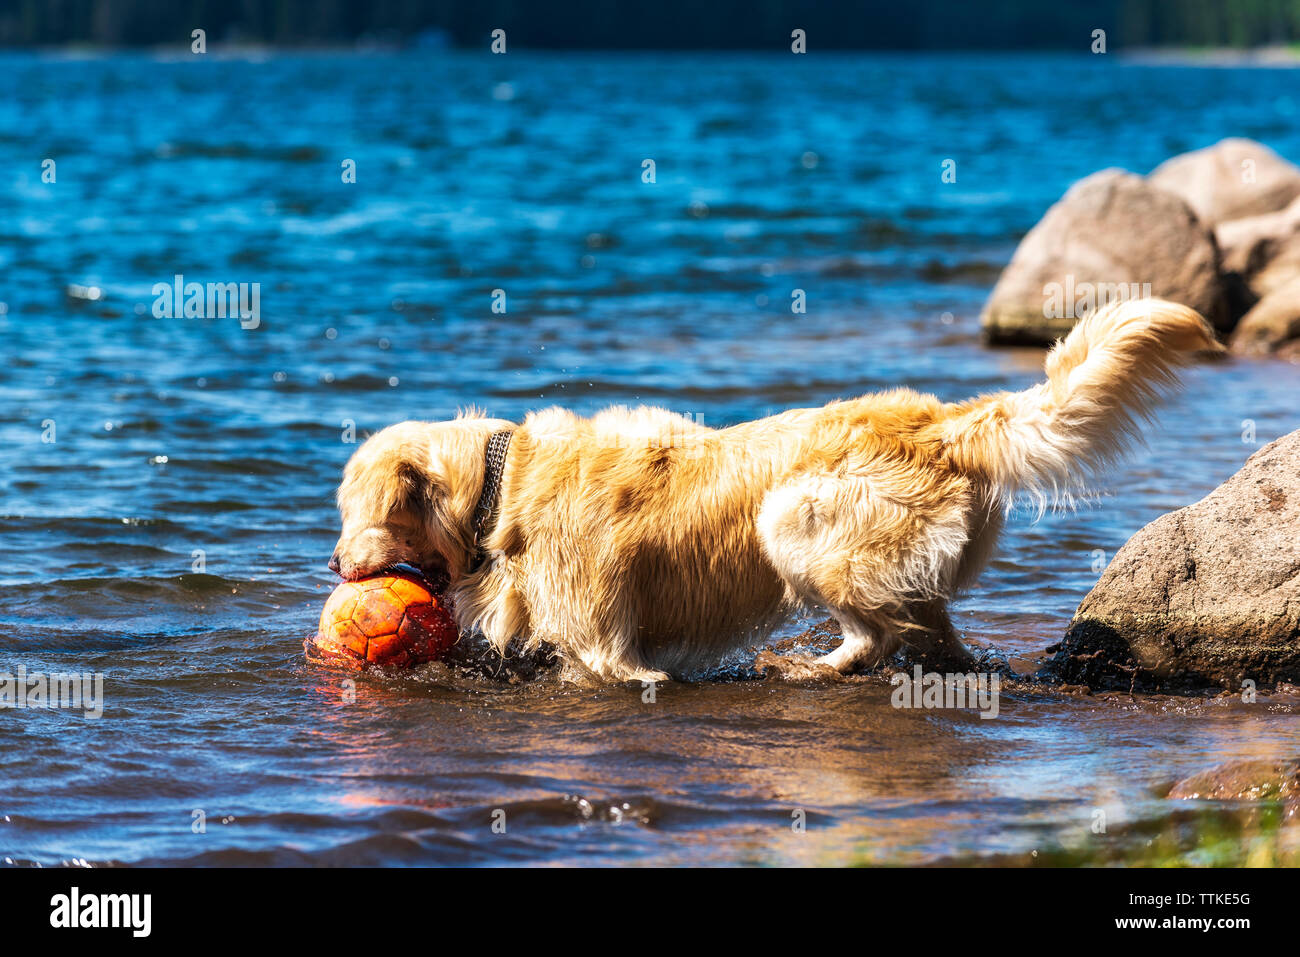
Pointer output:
x,y
1272,325
1264,250
1107,237
1229,180
1209,594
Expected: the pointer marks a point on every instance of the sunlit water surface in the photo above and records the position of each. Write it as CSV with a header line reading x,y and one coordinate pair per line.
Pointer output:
x,y
188,443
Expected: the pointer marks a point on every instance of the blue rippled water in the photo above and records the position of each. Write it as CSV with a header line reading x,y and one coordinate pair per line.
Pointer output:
x,y
166,483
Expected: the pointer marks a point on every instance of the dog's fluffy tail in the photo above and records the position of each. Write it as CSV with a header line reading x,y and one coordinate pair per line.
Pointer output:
x,y
1103,380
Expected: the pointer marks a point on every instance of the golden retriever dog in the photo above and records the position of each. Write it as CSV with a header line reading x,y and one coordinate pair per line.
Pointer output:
x,y
642,545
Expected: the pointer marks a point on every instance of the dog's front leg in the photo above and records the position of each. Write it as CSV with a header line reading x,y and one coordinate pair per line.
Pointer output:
x,y
605,668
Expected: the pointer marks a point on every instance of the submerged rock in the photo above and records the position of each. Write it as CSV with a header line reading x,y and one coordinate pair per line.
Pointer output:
x,y
1251,780
1209,594
1229,180
1112,235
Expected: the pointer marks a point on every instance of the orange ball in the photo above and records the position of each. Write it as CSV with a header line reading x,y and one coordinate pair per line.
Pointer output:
x,y
391,619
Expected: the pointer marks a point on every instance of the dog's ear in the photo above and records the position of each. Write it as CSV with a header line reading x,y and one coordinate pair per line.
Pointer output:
x,y
376,485
408,487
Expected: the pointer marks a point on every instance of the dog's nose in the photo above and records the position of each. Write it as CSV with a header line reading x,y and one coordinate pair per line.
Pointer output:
x,y
334,563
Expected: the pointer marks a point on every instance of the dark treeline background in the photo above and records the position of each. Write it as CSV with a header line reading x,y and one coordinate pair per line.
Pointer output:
x,y
659,24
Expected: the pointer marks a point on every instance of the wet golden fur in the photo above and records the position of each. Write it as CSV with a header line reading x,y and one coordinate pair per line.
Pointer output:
x,y
641,544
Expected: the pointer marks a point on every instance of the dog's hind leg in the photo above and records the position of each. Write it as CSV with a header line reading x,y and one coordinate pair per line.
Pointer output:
x,y
879,563
936,641
923,626
868,640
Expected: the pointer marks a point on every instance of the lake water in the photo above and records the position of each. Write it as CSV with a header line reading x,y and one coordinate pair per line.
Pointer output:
x,y
166,483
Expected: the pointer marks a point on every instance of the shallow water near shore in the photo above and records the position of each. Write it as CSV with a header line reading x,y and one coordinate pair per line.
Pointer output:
x,y
174,533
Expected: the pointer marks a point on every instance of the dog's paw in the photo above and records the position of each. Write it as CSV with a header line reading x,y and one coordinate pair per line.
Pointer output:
x,y
794,667
647,676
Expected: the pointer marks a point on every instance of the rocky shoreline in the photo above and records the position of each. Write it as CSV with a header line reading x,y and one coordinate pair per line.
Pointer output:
x,y
1217,229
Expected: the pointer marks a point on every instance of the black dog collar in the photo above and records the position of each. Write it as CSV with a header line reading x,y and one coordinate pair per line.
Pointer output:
x,y
494,464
